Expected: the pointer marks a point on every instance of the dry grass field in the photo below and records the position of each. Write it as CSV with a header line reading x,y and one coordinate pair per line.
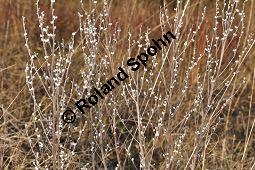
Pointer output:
x,y
191,107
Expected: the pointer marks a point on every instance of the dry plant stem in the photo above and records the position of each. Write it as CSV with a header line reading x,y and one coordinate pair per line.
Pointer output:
x,y
54,96
117,150
224,143
103,155
249,134
92,140
140,135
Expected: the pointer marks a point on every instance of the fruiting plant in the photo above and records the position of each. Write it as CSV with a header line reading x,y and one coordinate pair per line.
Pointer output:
x,y
164,116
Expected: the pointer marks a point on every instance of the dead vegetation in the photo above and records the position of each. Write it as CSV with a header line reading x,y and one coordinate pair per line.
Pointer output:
x,y
193,109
